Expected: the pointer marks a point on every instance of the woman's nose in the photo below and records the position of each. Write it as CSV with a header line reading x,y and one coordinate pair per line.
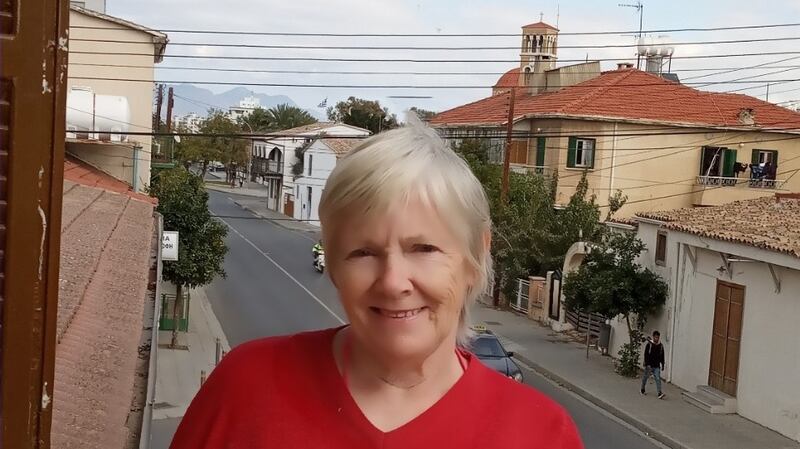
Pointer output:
x,y
395,276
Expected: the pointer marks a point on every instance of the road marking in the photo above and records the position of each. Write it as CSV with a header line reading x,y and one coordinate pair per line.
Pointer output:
x,y
284,271
272,222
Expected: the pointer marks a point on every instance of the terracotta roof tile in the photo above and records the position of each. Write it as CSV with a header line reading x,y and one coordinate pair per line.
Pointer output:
x,y
341,146
104,276
627,94
771,223
82,173
509,79
540,24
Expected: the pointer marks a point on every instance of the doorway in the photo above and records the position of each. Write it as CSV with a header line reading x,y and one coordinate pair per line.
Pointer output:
x,y
726,337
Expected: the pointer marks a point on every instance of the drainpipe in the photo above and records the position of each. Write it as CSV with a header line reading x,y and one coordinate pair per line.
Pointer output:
x,y
135,182
613,161
680,261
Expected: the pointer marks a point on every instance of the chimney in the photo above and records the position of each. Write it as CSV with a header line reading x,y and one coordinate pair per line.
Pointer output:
x,y
624,65
747,116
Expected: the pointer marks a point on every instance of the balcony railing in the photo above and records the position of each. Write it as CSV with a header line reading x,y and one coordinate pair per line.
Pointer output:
x,y
267,166
531,169
726,181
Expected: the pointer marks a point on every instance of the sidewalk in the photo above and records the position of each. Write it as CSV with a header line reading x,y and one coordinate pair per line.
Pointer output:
x,y
249,188
179,370
259,208
671,421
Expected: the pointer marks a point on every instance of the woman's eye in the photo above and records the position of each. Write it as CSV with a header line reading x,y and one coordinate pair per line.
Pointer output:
x,y
362,252
425,248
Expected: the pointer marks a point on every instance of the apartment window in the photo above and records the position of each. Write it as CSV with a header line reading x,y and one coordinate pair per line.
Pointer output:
x,y
718,161
661,248
765,157
580,153
310,162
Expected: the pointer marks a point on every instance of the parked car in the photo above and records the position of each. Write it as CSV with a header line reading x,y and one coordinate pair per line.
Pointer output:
x,y
490,351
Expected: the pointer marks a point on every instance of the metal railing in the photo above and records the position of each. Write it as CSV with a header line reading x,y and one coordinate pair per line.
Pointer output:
x,y
532,169
521,302
727,181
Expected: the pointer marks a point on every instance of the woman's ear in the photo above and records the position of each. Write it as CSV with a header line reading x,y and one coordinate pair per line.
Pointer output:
x,y
487,240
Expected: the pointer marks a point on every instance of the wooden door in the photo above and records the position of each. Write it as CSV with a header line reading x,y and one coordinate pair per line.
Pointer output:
x,y
33,38
288,206
726,337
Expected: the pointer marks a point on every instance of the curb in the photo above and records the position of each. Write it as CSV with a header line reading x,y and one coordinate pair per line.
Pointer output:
x,y
230,191
630,419
276,222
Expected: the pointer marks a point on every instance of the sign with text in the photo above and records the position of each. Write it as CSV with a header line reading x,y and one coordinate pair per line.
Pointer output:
x,y
169,246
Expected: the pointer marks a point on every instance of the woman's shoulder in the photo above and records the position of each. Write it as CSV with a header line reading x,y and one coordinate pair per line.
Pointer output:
x,y
516,396
264,351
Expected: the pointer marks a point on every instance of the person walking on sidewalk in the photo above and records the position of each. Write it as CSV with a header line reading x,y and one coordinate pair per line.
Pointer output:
x,y
653,362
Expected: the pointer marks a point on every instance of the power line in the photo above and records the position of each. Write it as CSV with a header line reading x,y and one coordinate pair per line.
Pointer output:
x,y
344,72
724,71
582,33
417,48
588,85
406,60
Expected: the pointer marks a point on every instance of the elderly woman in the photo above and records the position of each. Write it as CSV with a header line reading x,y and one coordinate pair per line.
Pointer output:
x,y
407,232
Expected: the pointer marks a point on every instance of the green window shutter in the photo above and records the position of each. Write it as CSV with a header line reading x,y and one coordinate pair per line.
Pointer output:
x,y
774,158
541,146
754,159
571,149
592,153
728,161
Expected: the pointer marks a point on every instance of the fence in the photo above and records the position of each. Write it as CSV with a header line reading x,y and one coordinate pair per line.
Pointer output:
x,y
167,323
583,321
520,303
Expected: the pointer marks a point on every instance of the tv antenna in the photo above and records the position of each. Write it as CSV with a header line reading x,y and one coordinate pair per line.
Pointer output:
x,y
640,8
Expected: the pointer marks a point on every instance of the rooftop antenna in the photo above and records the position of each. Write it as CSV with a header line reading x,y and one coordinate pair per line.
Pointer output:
x,y
541,17
558,13
639,7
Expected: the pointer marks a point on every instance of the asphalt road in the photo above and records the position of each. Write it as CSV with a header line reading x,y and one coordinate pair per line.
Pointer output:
x,y
272,289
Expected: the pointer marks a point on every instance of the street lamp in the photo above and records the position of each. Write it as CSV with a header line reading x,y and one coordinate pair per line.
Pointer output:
x,y
249,153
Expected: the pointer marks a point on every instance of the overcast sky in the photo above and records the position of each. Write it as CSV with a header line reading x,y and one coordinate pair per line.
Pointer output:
x,y
456,16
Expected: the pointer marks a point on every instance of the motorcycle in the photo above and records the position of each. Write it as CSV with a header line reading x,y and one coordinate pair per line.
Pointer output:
x,y
319,261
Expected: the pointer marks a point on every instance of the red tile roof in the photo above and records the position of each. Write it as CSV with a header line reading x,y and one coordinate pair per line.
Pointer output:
x,y
771,222
82,173
541,24
105,263
509,79
626,94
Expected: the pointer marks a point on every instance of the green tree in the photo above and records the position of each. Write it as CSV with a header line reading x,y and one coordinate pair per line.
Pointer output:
x,y
231,151
258,121
367,114
423,114
284,116
183,202
612,283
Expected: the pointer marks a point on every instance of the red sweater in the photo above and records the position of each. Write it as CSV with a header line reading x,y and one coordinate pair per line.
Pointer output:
x,y
286,392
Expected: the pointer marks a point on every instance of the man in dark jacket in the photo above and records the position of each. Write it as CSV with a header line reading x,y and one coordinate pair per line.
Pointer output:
x,y
653,362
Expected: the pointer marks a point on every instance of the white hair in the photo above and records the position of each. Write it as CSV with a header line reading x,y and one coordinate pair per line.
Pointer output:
x,y
413,160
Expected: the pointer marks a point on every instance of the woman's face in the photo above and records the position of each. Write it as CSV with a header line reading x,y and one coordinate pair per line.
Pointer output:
x,y
402,278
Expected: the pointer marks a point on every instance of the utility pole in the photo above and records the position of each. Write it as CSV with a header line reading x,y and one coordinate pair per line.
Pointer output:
x,y
504,182
509,142
159,102
767,92
170,104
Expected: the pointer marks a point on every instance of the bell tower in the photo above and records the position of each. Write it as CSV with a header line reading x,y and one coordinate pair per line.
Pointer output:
x,y
538,53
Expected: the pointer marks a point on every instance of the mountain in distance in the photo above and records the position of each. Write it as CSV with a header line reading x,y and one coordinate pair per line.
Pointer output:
x,y
190,98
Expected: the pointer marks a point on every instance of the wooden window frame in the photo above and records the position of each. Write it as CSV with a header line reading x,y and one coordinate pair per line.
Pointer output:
x,y
661,248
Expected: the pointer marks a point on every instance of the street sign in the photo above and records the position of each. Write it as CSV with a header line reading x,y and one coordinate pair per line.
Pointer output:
x,y
169,246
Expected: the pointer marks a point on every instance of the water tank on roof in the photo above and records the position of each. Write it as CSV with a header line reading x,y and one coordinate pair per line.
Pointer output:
x,y
97,117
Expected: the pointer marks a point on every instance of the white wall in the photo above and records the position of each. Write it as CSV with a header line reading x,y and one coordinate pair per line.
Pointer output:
x,y
324,161
769,359
115,161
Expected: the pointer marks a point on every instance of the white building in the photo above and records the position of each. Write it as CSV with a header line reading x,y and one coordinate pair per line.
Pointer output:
x,y
246,107
94,5
274,158
189,121
730,322
319,160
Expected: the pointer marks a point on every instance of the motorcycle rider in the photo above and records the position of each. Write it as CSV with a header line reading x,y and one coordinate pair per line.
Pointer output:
x,y
317,249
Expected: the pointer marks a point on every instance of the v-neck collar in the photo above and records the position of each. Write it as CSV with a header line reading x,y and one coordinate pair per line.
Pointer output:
x,y
348,404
